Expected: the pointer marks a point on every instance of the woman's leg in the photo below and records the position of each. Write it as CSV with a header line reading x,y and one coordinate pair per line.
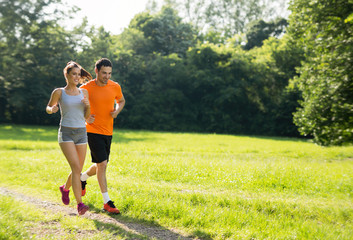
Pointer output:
x,y
68,183
72,156
81,151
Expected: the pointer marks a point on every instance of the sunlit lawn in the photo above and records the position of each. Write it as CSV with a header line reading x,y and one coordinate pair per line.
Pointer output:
x,y
205,185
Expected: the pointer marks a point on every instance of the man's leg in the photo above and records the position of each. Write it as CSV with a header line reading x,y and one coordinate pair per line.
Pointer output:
x,y
102,180
91,171
101,176
95,144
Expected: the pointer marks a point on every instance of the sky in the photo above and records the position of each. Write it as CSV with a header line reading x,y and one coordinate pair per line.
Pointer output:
x,y
113,15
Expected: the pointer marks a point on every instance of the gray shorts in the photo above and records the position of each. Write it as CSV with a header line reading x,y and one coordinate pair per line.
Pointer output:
x,y
76,135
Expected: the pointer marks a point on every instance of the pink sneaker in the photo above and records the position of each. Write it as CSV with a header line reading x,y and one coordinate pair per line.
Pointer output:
x,y
65,195
82,208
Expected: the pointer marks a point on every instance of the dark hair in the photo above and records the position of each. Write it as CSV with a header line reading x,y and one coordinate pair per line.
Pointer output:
x,y
84,74
105,62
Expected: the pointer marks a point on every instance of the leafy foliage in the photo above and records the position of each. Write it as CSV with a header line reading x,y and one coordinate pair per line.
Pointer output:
x,y
260,30
173,77
33,51
212,89
227,17
165,32
324,30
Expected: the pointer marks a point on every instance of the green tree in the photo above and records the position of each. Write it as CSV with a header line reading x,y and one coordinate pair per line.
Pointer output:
x,y
165,32
34,50
228,17
210,88
281,58
149,65
217,90
259,30
324,29
92,44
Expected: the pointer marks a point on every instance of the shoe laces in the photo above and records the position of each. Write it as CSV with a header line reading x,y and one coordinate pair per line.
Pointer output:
x,y
83,184
81,205
111,204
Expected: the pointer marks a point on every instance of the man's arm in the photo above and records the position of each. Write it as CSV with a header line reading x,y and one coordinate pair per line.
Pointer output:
x,y
118,107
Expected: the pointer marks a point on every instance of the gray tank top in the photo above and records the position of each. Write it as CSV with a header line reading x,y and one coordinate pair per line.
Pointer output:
x,y
72,110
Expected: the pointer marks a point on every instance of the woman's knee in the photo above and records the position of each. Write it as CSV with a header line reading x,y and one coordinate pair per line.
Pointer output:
x,y
76,169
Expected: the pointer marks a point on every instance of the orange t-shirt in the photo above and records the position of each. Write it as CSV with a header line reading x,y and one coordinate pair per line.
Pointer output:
x,y
101,100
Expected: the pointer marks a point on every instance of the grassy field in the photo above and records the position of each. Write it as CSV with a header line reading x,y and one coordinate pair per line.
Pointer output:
x,y
205,185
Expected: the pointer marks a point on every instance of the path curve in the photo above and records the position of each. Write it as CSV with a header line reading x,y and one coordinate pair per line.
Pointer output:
x,y
137,229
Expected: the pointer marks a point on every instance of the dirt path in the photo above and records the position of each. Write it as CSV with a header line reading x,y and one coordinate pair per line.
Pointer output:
x,y
127,229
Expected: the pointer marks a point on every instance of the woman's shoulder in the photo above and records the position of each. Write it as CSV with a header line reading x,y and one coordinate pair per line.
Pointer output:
x,y
56,94
57,91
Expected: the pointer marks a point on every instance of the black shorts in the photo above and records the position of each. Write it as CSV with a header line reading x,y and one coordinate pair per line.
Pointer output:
x,y
100,146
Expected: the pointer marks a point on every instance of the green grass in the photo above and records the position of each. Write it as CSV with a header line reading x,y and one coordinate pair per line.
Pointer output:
x,y
209,186
19,220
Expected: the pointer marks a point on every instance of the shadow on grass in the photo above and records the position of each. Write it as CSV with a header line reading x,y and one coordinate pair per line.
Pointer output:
x,y
116,225
117,231
50,134
131,228
282,139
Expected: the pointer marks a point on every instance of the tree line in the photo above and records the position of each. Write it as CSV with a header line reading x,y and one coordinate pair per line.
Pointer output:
x,y
245,77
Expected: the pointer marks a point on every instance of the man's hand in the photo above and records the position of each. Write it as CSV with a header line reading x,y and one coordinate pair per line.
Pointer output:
x,y
114,114
118,107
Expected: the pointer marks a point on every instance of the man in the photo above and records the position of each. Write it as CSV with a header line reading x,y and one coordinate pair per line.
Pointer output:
x,y
103,94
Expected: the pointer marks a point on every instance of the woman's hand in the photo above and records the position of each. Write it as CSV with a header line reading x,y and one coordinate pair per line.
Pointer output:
x,y
85,101
52,109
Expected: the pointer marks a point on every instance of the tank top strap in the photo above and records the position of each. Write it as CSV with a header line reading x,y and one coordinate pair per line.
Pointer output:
x,y
63,91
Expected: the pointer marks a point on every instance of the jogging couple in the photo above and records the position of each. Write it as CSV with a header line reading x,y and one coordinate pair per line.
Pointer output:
x,y
87,115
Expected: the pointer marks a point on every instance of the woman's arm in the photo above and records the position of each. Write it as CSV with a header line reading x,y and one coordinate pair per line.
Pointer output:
x,y
52,106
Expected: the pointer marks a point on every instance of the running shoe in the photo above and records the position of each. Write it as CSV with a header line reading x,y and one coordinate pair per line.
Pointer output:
x,y
83,186
65,195
110,207
82,208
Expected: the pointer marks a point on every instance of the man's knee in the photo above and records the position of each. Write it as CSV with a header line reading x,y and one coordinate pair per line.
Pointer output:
x,y
102,165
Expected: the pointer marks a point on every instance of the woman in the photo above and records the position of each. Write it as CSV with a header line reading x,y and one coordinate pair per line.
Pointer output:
x,y
75,109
